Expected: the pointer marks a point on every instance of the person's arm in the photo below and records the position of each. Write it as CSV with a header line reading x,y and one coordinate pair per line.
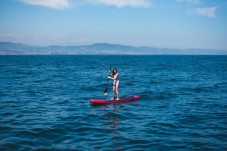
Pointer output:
x,y
109,77
114,77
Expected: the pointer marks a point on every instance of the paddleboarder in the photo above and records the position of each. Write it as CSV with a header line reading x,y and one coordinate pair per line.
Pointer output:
x,y
115,77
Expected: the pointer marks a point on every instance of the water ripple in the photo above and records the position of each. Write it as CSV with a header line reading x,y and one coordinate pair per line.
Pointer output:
x,y
45,103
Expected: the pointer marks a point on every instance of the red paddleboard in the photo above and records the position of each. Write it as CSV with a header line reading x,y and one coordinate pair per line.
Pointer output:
x,y
107,102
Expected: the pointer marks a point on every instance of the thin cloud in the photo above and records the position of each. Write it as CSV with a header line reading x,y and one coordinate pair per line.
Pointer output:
x,y
10,35
123,3
203,11
189,1
56,4
63,4
206,11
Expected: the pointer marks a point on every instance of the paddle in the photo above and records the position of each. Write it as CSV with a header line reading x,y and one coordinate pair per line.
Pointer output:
x,y
105,92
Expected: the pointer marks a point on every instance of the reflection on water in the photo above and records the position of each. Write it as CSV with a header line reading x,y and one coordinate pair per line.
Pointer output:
x,y
113,118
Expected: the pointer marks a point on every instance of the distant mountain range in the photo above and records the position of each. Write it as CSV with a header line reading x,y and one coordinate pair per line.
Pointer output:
x,y
8,48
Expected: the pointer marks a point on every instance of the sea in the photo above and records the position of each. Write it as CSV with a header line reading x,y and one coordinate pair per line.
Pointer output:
x,y
44,103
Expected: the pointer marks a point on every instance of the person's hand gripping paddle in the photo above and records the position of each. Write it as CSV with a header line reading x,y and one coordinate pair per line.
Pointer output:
x,y
106,92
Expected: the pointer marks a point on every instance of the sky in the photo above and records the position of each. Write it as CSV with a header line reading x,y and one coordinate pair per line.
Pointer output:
x,y
177,24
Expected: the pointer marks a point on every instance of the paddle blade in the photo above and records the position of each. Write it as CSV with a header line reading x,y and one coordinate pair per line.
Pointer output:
x,y
105,92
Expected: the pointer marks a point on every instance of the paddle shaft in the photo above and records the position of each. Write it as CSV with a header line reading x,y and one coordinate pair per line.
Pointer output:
x,y
108,79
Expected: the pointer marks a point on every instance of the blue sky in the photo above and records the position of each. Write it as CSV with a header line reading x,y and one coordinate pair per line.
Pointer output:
x,y
157,23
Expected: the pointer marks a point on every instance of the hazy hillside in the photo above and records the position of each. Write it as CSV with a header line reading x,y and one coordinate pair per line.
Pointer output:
x,y
8,48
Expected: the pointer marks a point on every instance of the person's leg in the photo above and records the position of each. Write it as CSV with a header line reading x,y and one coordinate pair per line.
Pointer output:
x,y
116,89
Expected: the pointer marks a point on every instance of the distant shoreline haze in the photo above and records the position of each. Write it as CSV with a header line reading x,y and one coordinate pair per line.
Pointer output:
x,y
9,48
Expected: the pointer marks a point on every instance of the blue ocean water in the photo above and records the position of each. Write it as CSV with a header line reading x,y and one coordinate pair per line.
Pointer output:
x,y
44,103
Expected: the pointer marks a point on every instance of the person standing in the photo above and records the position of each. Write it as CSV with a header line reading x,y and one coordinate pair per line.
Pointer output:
x,y
115,77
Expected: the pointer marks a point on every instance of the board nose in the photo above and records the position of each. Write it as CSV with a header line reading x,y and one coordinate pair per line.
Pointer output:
x,y
136,96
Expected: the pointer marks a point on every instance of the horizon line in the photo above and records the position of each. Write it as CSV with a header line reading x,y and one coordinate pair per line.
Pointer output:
x,y
127,45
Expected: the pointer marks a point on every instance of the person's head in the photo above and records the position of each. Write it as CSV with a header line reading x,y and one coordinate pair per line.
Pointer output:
x,y
114,71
